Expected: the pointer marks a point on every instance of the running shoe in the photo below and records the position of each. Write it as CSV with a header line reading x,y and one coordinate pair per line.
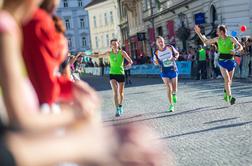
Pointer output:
x,y
121,110
117,112
232,100
174,98
171,108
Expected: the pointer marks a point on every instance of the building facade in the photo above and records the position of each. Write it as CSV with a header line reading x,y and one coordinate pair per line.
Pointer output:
x,y
175,19
76,23
133,30
104,23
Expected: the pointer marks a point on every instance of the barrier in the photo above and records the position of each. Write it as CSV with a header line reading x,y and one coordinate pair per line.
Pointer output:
x,y
184,69
92,70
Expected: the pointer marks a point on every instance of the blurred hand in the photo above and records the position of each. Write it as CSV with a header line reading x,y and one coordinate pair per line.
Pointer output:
x,y
85,99
137,147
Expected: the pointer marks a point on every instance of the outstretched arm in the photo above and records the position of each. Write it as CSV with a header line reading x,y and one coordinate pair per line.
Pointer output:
x,y
75,58
99,55
203,38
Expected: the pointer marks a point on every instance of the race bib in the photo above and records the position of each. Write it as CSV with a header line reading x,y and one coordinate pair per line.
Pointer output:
x,y
167,63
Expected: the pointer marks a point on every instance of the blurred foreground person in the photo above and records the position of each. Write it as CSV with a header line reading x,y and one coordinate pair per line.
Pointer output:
x,y
27,139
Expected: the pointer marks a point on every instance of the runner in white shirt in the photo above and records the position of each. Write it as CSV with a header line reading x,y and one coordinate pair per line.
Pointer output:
x,y
165,56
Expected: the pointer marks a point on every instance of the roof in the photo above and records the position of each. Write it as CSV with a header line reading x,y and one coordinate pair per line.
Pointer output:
x,y
94,2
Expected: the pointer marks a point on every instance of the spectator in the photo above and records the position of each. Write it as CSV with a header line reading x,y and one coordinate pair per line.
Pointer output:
x,y
202,57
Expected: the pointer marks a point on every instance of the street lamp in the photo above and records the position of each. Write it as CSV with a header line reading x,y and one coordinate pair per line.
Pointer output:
x,y
182,18
183,32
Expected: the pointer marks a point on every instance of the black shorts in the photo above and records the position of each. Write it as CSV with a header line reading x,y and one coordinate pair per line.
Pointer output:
x,y
117,77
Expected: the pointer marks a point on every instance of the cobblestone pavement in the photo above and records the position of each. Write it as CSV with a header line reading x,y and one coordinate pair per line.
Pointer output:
x,y
203,130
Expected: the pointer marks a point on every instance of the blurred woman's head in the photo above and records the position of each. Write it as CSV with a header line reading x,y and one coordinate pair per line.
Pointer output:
x,y
23,8
49,5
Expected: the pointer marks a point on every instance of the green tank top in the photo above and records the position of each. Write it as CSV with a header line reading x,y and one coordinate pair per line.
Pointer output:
x,y
116,63
225,46
202,55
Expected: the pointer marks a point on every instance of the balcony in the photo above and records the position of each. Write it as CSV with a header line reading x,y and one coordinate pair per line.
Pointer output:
x,y
123,21
166,6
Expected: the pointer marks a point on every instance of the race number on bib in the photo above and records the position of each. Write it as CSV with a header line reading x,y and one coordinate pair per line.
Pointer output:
x,y
167,63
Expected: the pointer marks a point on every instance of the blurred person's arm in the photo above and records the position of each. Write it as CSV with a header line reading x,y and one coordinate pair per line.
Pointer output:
x,y
74,58
122,146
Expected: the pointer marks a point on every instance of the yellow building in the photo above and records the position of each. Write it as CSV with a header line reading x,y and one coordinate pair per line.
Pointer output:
x,y
103,21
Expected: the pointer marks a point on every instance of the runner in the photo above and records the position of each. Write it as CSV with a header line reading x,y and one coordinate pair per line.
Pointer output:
x,y
227,52
165,56
116,74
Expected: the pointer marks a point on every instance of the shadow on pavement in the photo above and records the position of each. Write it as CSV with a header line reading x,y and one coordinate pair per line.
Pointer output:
x,y
164,116
102,83
207,130
221,120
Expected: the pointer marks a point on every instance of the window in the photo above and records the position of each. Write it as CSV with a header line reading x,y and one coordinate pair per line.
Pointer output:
x,y
124,11
105,19
68,26
80,3
107,40
160,31
94,18
111,17
113,35
102,41
96,42
82,23
147,4
213,14
65,3
70,44
84,42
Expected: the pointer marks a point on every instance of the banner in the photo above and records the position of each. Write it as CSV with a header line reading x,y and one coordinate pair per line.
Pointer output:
x,y
184,69
151,32
171,32
92,70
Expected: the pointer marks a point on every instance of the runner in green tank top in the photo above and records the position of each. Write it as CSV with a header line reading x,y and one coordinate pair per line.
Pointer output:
x,y
116,74
226,59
